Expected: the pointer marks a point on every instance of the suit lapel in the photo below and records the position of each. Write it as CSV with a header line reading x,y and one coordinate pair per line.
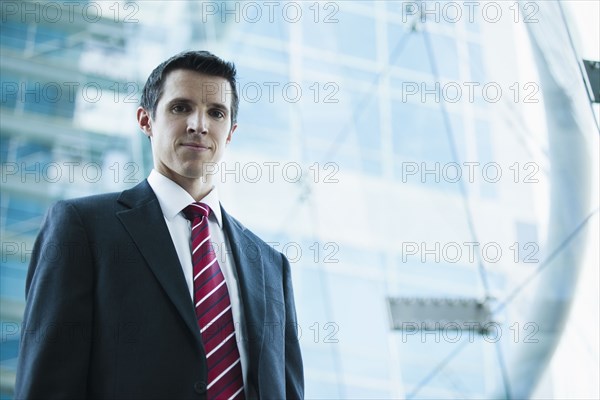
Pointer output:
x,y
144,221
250,272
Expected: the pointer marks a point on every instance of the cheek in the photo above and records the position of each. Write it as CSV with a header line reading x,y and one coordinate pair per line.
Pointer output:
x,y
164,143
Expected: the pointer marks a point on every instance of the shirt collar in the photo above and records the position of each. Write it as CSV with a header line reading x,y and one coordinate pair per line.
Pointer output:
x,y
173,198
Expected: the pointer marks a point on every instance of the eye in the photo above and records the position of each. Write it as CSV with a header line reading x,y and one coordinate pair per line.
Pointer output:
x,y
179,108
217,113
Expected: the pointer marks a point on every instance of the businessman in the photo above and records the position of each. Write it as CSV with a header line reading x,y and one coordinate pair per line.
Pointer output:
x,y
157,292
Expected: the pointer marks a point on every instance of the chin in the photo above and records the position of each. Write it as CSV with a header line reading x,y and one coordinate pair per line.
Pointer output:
x,y
205,173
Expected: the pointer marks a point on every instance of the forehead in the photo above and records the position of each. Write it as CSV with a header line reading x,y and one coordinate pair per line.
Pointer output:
x,y
197,87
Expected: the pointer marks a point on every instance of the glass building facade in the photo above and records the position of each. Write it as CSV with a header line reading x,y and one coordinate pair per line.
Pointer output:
x,y
387,148
51,147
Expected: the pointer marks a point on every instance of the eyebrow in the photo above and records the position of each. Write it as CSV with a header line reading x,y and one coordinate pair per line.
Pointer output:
x,y
179,100
185,100
219,105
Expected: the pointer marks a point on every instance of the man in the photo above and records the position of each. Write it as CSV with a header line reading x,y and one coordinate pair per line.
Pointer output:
x,y
157,292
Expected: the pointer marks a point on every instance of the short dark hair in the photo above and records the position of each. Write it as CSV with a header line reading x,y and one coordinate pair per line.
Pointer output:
x,y
199,61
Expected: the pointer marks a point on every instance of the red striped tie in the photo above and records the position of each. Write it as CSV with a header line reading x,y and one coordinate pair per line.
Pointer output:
x,y
213,311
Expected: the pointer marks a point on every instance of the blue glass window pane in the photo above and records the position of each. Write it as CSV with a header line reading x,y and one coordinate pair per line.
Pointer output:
x,y
32,150
485,155
407,49
478,73
263,98
244,52
23,208
343,36
446,55
325,121
372,166
262,21
528,242
357,42
4,146
10,90
419,132
13,273
48,98
366,120
47,34
13,34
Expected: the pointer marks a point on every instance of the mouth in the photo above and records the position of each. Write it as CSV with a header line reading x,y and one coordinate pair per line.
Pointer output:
x,y
196,146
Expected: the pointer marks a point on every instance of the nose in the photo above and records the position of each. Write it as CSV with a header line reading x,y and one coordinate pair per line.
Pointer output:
x,y
197,123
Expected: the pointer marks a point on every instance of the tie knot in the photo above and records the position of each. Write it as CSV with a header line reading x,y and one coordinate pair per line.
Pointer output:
x,y
196,210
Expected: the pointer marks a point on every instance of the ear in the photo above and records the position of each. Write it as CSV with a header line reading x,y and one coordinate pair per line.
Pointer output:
x,y
144,121
233,128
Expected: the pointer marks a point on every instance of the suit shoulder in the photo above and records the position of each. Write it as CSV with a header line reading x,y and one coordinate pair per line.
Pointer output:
x,y
95,199
95,204
139,194
264,246
92,200
241,227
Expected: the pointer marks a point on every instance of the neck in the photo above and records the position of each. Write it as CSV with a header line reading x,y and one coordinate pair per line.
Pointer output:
x,y
197,188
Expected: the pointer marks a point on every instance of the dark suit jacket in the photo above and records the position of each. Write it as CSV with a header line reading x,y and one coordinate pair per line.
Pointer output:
x,y
109,315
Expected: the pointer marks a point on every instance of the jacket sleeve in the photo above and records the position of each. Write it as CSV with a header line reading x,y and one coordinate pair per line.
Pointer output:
x,y
294,371
56,334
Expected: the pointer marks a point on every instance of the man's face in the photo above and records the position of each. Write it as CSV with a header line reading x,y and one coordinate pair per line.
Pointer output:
x,y
191,126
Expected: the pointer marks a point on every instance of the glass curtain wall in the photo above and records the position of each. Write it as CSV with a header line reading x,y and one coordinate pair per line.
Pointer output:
x,y
392,150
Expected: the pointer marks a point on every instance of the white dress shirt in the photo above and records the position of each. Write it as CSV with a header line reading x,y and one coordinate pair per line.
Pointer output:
x,y
173,199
